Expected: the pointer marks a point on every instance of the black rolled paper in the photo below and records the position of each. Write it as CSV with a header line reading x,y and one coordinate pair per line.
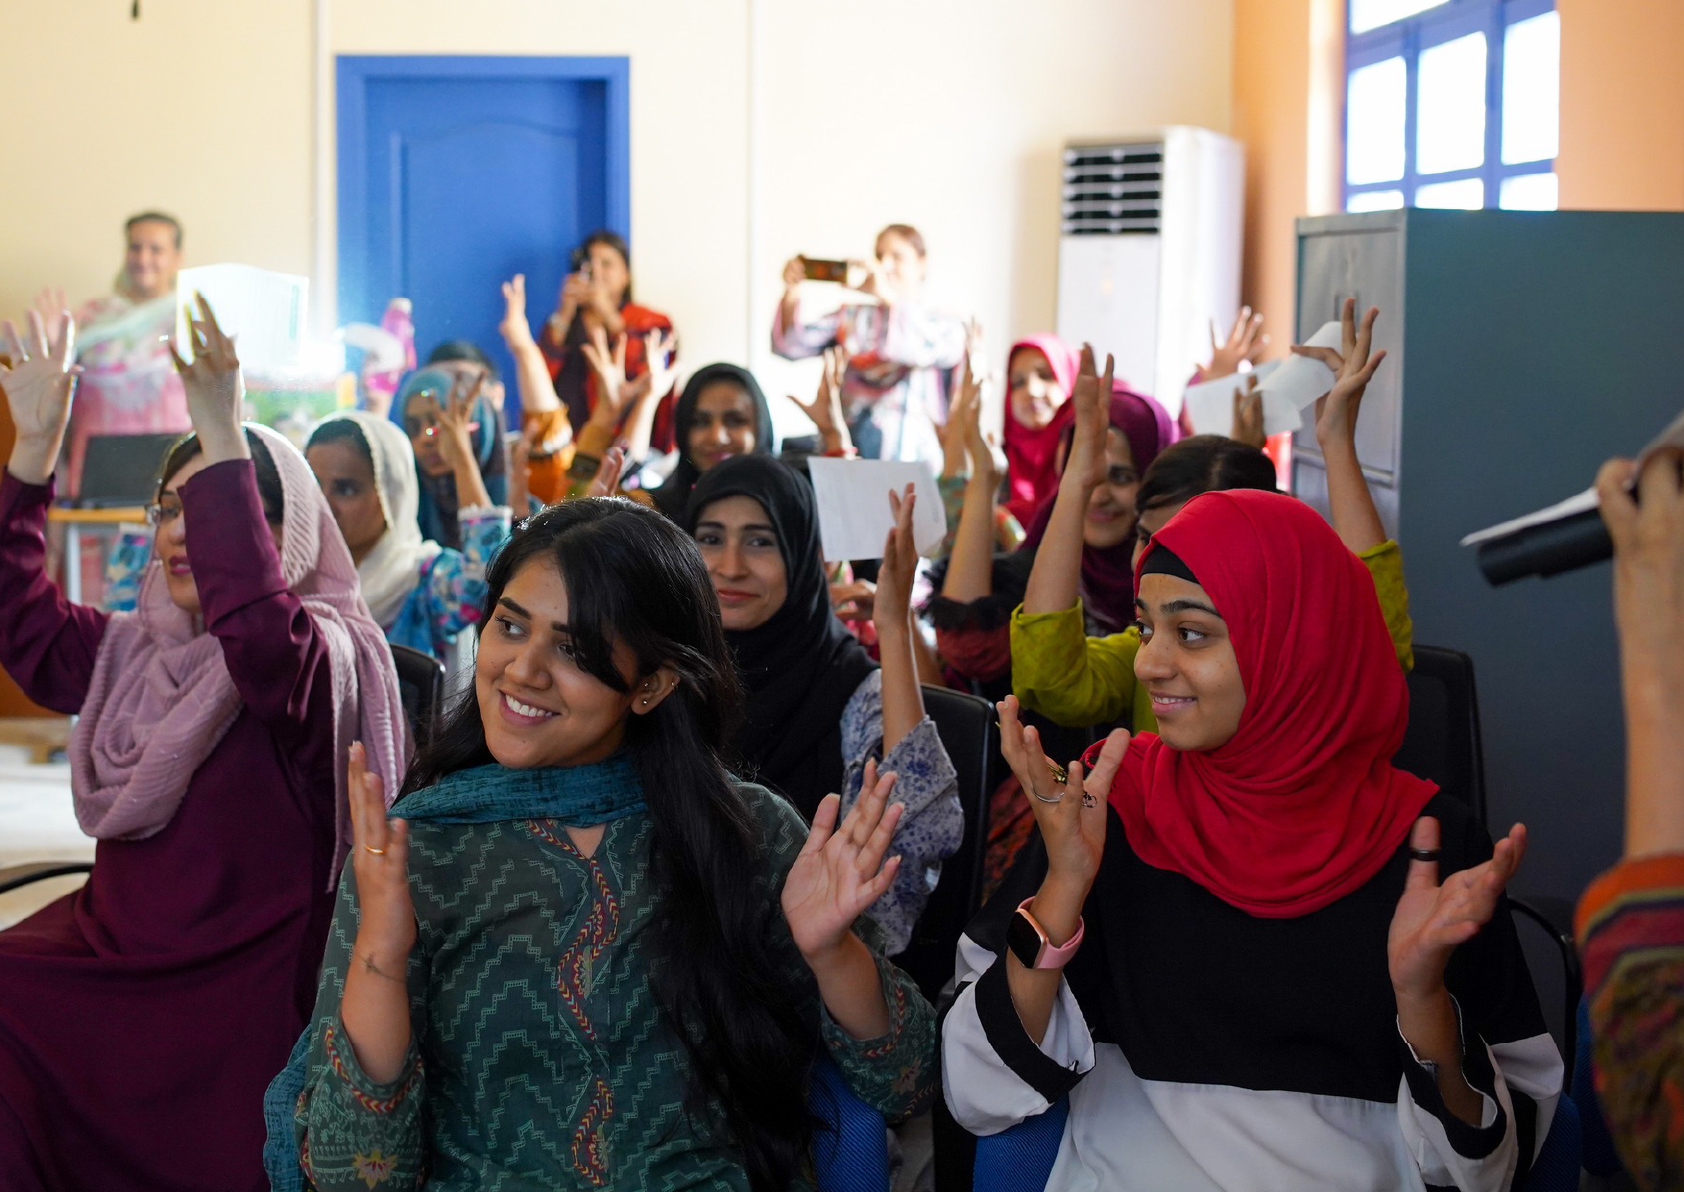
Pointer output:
x,y
1549,548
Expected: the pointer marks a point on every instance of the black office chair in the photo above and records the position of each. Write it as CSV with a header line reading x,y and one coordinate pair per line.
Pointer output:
x,y
966,726
1443,742
420,687
15,876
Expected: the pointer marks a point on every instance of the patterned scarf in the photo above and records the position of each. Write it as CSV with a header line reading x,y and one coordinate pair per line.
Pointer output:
x,y
577,796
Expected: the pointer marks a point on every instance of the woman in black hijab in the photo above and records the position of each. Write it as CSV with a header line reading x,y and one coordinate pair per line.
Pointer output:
x,y
819,709
721,413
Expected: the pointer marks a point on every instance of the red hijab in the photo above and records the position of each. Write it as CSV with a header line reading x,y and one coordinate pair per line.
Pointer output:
x,y
1031,476
1302,805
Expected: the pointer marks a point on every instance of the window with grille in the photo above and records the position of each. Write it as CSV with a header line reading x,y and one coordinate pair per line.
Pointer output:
x,y
1452,103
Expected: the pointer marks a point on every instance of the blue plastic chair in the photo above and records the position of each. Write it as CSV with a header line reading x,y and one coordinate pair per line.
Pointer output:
x,y
1022,1157
851,1155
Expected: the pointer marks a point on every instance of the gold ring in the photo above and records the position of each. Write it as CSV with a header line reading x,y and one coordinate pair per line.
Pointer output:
x,y
1059,773
369,848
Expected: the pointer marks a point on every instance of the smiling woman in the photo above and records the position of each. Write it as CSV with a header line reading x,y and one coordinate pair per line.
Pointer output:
x,y
572,829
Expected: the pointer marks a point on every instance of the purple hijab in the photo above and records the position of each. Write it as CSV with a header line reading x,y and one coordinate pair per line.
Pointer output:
x,y
1108,573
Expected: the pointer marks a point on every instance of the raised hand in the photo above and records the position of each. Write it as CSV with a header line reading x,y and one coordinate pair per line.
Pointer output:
x,y
614,393
455,429
1433,920
1073,829
215,389
517,332
1248,415
1245,343
380,858
855,600
606,482
38,386
1353,367
1087,464
826,407
893,604
54,309
840,871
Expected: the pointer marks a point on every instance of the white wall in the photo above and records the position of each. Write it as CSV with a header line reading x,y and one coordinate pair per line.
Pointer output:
x,y
760,128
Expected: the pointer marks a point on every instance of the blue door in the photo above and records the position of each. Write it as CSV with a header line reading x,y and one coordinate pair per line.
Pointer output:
x,y
455,173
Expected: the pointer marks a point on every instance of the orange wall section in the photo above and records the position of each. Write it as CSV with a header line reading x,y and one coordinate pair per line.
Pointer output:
x,y
1622,104
1288,93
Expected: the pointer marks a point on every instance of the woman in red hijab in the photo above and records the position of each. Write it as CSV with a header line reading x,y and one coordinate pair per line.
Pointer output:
x,y
1230,949
1040,377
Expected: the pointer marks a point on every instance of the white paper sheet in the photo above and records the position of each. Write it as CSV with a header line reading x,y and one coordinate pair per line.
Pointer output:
x,y
1672,436
266,310
853,505
1299,379
1210,404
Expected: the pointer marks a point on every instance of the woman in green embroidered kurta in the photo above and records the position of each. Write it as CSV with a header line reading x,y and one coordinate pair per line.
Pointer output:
x,y
510,957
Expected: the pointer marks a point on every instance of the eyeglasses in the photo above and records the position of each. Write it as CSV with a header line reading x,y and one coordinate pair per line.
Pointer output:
x,y
163,512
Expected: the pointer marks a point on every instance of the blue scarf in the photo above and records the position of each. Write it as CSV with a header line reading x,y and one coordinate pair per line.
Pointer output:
x,y
577,796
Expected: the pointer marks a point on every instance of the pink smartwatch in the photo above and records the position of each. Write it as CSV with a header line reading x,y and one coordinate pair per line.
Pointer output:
x,y
1029,943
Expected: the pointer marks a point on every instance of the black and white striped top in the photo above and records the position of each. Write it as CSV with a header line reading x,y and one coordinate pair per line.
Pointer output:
x,y
1203,1049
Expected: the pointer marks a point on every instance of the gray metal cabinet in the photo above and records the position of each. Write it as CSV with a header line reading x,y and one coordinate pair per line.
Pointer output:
x,y
1524,348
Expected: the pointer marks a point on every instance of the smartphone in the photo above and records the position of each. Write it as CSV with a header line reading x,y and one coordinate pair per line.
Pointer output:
x,y
817,269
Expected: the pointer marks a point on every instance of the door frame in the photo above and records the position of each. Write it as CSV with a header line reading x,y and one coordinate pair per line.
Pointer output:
x,y
354,73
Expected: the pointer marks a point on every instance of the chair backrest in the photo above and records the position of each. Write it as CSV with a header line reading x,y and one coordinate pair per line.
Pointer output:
x,y
420,686
966,726
1544,926
1443,741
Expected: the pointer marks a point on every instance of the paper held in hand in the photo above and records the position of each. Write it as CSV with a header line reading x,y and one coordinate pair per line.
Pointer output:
x,y
1210,404
853,504
262,310
1299,379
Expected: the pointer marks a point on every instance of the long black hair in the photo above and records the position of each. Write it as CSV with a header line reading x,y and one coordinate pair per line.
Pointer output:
x,y
633,577
1202,464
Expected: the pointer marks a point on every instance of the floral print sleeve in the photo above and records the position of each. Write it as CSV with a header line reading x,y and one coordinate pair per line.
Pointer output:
x,y
125,567
452,589
353,1133
896,1072
933,822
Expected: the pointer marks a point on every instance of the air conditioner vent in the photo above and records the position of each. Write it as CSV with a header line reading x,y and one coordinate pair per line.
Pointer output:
x,y
1112,190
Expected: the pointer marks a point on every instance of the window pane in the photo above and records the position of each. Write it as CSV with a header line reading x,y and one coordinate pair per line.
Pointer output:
x,y
1531,192
1450,128
1375,200
1374,120
1532,89
1467,194
1371,14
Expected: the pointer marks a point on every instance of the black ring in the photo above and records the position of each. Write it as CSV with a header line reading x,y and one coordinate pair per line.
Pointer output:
x,y
1423,854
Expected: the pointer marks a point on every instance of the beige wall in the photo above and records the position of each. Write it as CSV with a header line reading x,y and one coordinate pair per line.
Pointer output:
x,y
1622,104
759,129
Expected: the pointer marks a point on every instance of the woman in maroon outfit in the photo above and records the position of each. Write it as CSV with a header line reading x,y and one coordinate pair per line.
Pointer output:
x,y
142,1016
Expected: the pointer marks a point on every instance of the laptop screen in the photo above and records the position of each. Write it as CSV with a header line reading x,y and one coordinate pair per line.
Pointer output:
x,y
121,471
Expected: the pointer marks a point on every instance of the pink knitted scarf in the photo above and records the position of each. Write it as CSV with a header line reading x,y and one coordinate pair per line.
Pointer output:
x,y
161,697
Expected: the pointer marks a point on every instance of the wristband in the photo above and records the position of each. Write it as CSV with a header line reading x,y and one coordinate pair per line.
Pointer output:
x,y
1028,941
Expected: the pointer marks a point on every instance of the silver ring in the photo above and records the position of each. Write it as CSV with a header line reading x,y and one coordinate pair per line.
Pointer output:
x,y
1043,798
1088,800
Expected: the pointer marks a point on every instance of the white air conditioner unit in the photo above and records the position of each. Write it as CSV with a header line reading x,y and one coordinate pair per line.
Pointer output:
x,y
1149,251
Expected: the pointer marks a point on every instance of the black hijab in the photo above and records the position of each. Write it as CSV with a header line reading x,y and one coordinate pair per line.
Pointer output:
x,y
802,666
672,496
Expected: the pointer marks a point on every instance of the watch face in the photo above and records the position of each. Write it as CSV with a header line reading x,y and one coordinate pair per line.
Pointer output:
x,y
1024,940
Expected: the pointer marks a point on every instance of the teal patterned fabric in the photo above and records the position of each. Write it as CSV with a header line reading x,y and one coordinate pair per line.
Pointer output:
x,y
574,796
538,1058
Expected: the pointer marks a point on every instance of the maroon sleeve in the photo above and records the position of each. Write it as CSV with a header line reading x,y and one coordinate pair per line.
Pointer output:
x,y
275,653
976,652
47,644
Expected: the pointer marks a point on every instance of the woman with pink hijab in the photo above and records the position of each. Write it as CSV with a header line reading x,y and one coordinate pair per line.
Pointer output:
x,y
142,1016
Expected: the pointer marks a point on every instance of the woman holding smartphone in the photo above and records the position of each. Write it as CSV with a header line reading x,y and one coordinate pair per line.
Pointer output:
x,y
596,297
892,395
